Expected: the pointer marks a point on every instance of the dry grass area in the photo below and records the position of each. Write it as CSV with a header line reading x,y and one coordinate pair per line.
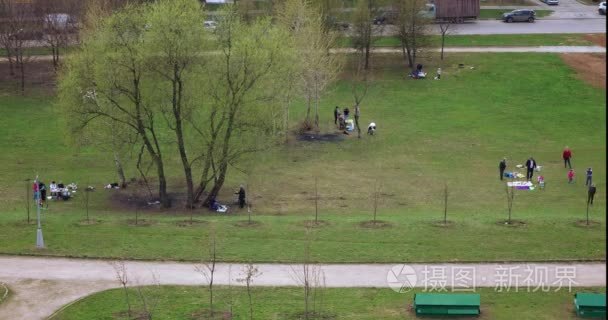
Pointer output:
x,y
597,38
590,67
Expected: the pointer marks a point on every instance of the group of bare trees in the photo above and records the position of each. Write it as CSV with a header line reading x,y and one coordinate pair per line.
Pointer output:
x,y
412,27
15,27
50,24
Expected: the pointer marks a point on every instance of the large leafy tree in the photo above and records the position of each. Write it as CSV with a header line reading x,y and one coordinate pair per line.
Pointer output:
x,y
179,91
317,68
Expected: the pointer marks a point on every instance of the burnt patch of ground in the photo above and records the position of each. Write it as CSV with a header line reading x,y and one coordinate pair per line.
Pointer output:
x,y
320,137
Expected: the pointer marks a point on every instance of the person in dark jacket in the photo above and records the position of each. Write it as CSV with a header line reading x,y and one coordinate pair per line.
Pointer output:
x,y
336,114
591,194
241,197
502,166
589,180
346,113
42,188
566,155
530,166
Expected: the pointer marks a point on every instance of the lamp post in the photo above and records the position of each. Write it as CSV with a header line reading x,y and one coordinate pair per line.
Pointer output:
x,y
39,238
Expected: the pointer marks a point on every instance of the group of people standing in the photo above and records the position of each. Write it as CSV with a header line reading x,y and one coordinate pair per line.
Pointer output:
x,y
531,165
567,155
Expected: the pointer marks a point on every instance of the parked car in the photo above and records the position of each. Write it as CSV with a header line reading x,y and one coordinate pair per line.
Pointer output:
x,y
333,22
602,8
210,24
551,2
521,15
387,17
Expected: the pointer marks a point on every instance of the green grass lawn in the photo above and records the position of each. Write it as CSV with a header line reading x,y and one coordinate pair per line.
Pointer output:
x,y
505,40
430,133
179,302
489,14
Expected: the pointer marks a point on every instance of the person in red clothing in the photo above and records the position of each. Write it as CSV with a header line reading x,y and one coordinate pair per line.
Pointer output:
x,y
571,176
567,154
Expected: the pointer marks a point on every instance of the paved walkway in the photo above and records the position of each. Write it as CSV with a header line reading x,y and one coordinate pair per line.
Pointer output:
x,y
41,285
541,49
545,49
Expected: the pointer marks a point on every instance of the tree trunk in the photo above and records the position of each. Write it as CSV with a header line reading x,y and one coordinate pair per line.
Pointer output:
x,y
204,180
22,69
357,124
120,171
367,53
165,202
308,111
217,186
9,57
442,44
317,99
55,58
177,95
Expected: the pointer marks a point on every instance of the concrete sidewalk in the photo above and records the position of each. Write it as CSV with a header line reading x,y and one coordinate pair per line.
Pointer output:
x,y
57,281
540,49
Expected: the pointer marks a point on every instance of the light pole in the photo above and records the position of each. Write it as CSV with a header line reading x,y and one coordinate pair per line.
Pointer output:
x,y
39,238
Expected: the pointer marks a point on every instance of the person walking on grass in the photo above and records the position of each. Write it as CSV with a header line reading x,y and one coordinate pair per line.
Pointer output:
x,y
571,176
502,166
589,179
530,166
566,155
336,114
241,197
591,194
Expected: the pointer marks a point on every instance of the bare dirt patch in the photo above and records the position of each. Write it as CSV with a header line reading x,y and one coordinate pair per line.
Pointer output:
x,y
375,224
511,224
589,67
188,223
314,224
597,38
443,224
208,314
89,222
584,224
141,222
247,224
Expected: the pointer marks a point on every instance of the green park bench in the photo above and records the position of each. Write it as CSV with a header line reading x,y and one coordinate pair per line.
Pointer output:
x,y
590,305
447,304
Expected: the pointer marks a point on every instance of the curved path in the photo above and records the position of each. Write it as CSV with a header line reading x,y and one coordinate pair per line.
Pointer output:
x,y
41,285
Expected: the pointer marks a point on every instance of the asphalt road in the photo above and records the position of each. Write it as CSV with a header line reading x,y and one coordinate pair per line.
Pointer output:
x,y
499,27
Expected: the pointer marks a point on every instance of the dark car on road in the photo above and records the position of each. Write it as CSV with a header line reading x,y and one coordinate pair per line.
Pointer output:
x,y
388,17
522,15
